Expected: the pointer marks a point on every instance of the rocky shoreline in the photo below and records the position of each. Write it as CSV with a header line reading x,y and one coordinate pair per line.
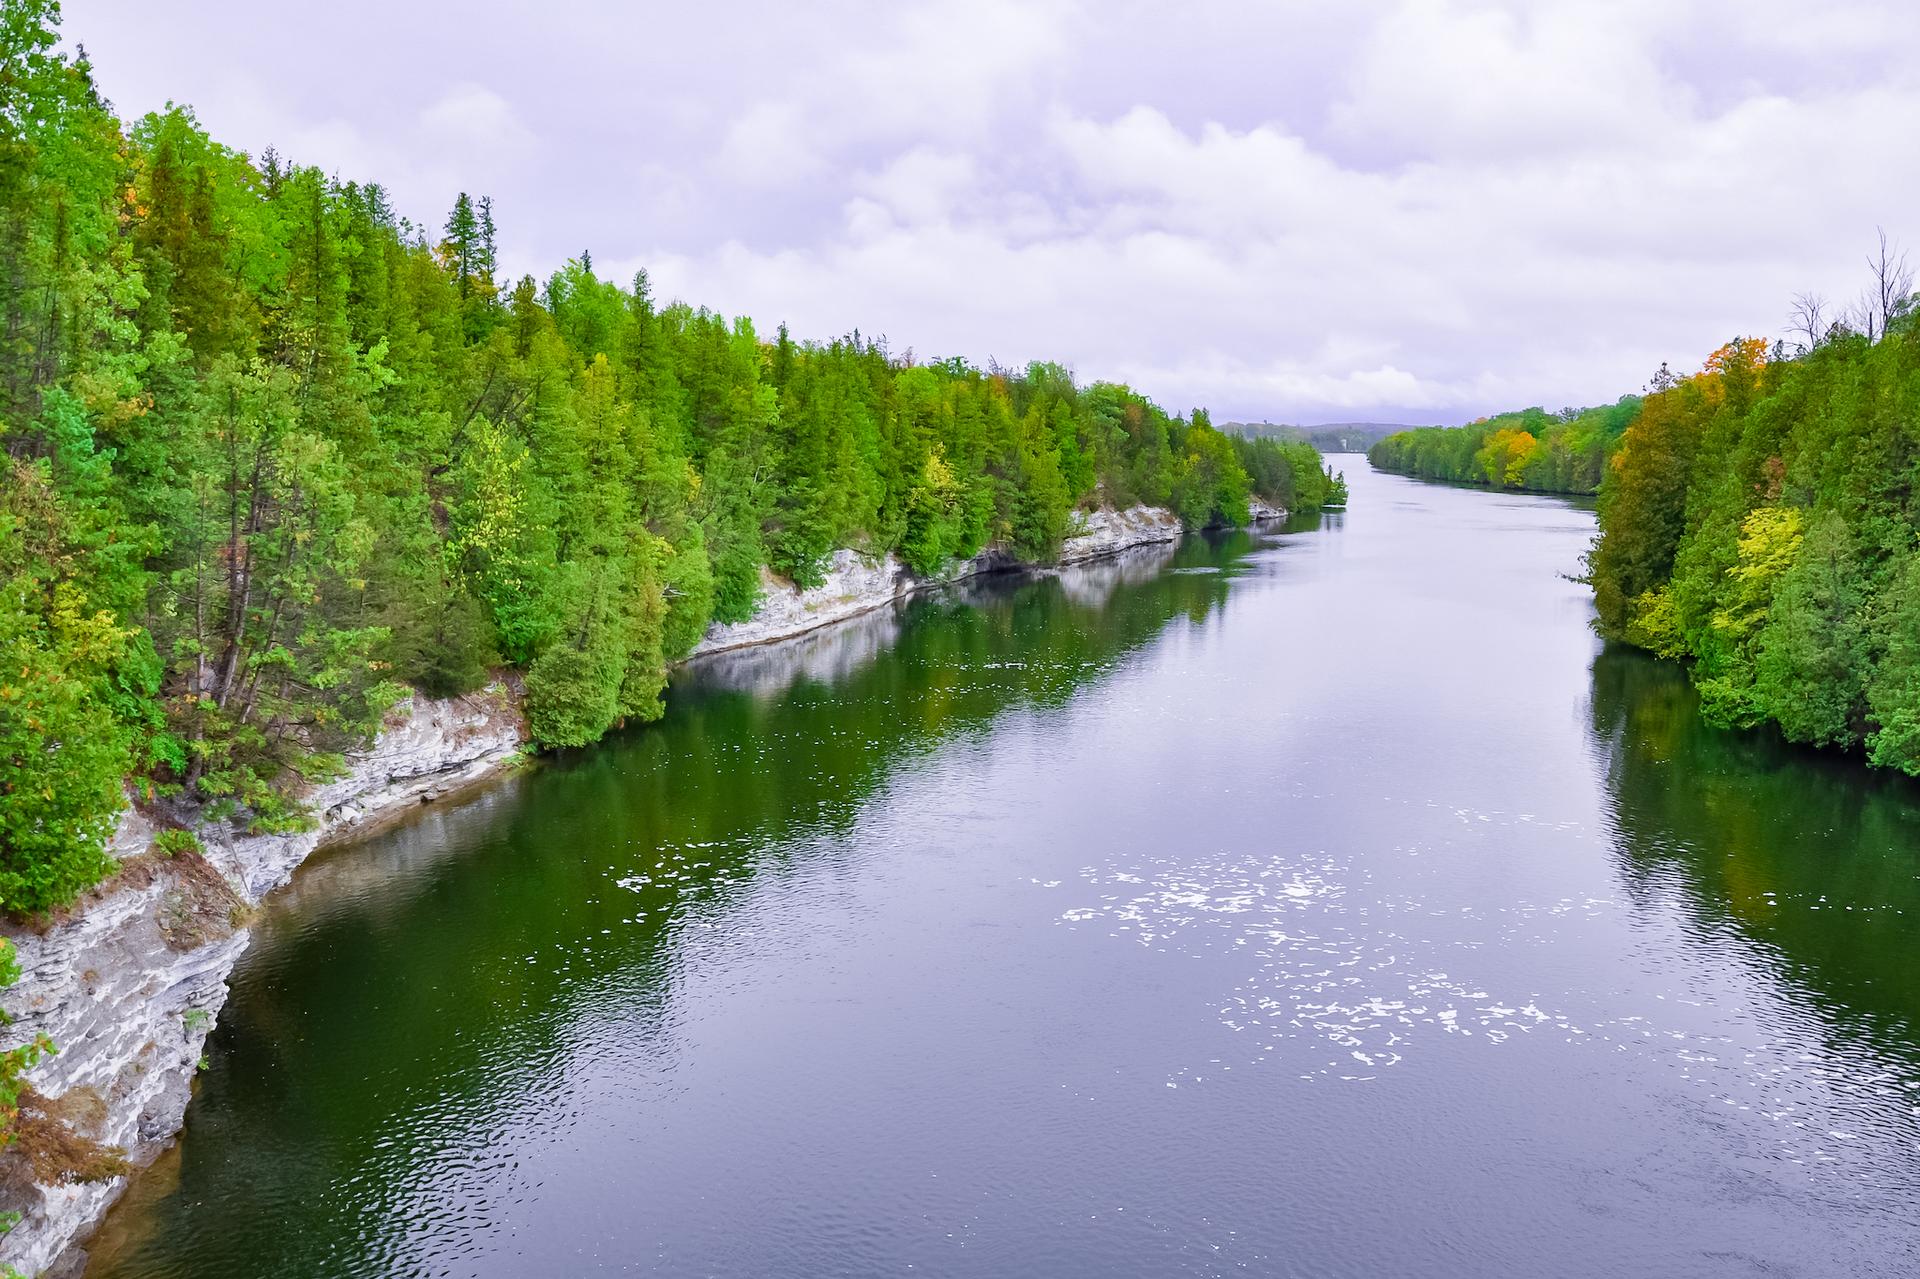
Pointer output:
x,y
857,583
129,981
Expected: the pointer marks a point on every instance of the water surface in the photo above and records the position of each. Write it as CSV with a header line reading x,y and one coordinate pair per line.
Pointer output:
x,y
1322,903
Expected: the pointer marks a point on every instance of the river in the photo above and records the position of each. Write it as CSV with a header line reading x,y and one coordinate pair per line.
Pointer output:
x,y
1321,903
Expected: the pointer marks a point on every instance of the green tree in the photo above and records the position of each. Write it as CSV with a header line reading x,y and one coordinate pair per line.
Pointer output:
x,y
63,749
1812,650
1893,693
275,453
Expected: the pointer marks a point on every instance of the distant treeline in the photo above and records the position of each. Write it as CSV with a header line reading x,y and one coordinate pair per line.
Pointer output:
x,y
1336,437
274,454
1531,450
1759,519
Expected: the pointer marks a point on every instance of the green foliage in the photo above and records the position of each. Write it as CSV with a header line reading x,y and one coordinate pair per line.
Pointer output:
x,y
1336,488
1532,449
1037,484
1812,651
274,458
175,841
1288,473
63,748
1893,690
15,1062
1759,520
1209,484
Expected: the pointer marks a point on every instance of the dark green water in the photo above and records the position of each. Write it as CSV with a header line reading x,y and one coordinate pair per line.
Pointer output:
x,y
1314,904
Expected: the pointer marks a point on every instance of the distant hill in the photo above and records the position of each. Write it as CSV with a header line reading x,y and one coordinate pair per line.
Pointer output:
x,y
1334,437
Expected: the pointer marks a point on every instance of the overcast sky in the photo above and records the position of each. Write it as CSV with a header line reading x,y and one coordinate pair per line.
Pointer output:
x,y
1300,210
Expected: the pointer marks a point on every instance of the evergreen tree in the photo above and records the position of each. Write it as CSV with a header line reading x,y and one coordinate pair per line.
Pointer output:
x,y
275,455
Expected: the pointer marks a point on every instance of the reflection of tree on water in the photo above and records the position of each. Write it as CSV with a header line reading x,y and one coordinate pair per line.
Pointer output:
x,y
946,663
1759,841
834,653
448,966
1313,521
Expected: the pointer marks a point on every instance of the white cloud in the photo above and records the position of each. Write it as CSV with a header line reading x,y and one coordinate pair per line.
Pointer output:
x,y
472,118
921,186
769,145
1462,79
1420,207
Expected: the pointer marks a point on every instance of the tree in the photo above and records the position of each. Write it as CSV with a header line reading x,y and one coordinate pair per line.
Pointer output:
x,y
1889,296
275,454
462,250
63,750
499,543
264,668
1643,504
1893,693
1042,502
1809,320
1812,650
1758,521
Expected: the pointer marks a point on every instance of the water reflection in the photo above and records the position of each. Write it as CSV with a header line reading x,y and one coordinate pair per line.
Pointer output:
x,y
1805,862
833,653
446,973
1310,905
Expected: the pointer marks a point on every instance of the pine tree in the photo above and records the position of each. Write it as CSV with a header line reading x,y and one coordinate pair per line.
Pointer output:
x,y
463,249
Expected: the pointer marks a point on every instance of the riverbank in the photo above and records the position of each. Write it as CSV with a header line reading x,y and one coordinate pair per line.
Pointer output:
x,y
130,980
857,584
1483,486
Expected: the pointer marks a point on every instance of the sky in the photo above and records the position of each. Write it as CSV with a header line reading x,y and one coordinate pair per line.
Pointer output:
x,y
1297,210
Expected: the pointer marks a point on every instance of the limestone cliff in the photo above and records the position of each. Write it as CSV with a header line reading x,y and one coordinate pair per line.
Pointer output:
x,y
128,981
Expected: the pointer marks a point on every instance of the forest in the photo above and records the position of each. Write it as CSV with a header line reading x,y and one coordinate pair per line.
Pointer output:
x,y
1331,437
1530,450
1760,519
276,454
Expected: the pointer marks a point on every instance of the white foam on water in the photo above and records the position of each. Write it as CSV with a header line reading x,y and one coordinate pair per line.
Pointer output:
x,y
1332,975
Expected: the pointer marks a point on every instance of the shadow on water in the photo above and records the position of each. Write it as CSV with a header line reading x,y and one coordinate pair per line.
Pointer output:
x,y
1803,862
445,967
1255,905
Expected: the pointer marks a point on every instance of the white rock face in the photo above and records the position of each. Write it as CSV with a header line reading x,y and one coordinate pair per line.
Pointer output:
x,y
128,984
1108,532
426,749
857,583
854,584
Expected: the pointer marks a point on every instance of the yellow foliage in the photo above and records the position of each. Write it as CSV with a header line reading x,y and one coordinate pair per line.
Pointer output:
x,y
1746,354
1519,452
1656,624
1503,458
939,475
1742,356
1770,537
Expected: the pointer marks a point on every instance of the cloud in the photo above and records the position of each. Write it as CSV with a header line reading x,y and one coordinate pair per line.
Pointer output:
x,y
1428,208
1447,79
769,145
472,118
921,186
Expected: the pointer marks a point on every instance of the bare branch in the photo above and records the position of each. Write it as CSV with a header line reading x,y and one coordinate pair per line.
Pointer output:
x,y
1890,295
1809,321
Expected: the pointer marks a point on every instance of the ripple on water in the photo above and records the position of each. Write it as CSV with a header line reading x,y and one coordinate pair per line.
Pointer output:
x,y
1339,982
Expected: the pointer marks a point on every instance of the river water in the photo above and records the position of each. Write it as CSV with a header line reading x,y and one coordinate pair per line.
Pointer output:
x,y
1318,903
